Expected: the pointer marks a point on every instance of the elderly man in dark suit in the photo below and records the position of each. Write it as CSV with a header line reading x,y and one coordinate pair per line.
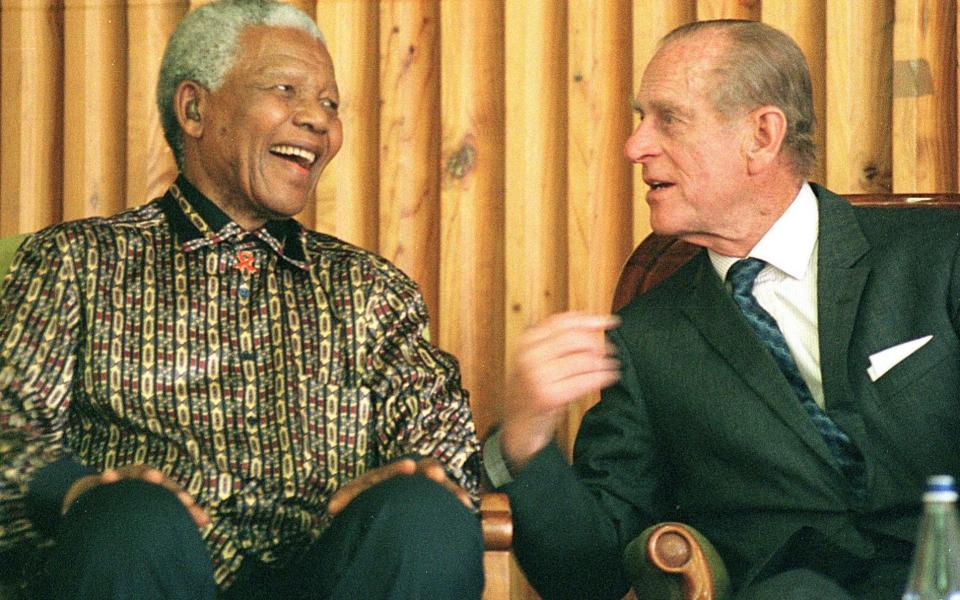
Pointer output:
x,y
786,392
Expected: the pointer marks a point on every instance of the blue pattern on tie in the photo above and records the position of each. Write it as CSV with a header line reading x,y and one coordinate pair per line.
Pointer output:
x,y
742,275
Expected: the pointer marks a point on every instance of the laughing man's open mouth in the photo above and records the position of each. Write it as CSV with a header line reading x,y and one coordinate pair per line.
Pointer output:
x,y
303,157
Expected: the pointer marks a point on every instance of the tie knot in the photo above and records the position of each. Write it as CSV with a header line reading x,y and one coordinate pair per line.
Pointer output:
x,y
743,273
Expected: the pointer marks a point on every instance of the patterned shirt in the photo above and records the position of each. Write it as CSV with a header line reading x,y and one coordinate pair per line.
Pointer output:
x,y
259,370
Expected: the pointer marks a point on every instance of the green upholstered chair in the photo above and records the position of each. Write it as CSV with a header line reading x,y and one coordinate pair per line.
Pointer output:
x,y
8,247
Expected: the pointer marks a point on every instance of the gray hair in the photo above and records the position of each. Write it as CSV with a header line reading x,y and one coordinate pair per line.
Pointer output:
x,y
204,46
762,66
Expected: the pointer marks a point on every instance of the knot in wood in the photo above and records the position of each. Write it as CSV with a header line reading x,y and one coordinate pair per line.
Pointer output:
x,y
462,161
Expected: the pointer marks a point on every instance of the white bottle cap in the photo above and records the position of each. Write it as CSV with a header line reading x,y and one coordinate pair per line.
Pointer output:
x,y
940,488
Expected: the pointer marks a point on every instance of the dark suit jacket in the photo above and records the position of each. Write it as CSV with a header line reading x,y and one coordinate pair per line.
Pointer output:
x,y
703,427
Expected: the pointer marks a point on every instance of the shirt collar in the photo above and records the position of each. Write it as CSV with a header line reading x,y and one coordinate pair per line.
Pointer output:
x,y
789,244
197,222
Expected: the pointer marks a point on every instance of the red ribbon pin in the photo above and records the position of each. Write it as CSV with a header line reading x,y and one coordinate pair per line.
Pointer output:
x,y
245,261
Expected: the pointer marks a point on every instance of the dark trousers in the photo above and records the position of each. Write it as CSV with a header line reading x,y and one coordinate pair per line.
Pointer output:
x,y
811,568
805,584
405,538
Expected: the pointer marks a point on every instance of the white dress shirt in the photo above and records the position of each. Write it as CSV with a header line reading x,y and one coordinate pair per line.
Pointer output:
x,y
787,287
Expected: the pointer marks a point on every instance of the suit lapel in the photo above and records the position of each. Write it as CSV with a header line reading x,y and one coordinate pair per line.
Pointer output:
x,y
840,281
717,317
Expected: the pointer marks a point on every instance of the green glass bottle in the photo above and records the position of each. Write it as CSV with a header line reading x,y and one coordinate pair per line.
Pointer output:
x,y
935,574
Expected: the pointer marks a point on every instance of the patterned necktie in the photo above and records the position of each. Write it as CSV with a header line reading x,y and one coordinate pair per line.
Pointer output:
x,y
742,275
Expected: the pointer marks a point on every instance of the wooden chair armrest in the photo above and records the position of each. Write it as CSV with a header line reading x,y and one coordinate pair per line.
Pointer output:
x,y
497,527
673,561
495,521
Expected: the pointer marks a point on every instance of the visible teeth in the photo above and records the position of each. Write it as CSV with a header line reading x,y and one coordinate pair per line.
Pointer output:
x,y
294,151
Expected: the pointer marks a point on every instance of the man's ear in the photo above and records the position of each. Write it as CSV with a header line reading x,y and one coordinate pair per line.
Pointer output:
x,y
188,102
768,128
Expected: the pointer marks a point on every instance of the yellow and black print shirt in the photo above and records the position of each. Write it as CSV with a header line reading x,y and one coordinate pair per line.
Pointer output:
x,y
259,370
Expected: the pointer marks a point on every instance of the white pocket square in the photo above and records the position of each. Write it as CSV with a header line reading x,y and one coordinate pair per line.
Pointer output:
x,y
883,361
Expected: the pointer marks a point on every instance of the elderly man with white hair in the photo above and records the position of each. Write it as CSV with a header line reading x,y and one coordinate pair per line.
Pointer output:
x,y
203,399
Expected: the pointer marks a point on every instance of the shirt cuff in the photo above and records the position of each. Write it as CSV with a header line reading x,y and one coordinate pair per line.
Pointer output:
x,y
493,462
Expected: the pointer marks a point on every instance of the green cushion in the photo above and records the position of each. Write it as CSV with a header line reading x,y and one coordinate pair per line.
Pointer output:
x,y
8,247
650,583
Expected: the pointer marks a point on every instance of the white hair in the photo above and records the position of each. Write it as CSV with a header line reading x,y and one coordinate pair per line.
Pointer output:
x,y
204,46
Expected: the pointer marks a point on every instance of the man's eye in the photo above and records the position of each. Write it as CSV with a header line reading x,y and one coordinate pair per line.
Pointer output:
x,y
330,103
283,87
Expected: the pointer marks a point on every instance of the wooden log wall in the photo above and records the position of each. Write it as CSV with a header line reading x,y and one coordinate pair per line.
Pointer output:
x,y
483,139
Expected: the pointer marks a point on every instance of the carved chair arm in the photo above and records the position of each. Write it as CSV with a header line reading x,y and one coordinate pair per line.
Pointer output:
x,y
673,561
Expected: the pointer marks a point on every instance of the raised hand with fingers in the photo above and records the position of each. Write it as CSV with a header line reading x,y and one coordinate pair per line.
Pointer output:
x,y
559,360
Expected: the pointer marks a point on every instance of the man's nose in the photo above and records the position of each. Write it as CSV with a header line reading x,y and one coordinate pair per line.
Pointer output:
x,y
312,115
641,144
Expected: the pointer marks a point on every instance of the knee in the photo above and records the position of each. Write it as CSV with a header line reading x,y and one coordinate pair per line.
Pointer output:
x,y
405,537
795,584
417,510
128,522
130,539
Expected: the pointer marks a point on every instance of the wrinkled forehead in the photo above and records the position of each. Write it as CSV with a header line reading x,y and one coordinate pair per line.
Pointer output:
x,y
263,46
273,38
683,67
